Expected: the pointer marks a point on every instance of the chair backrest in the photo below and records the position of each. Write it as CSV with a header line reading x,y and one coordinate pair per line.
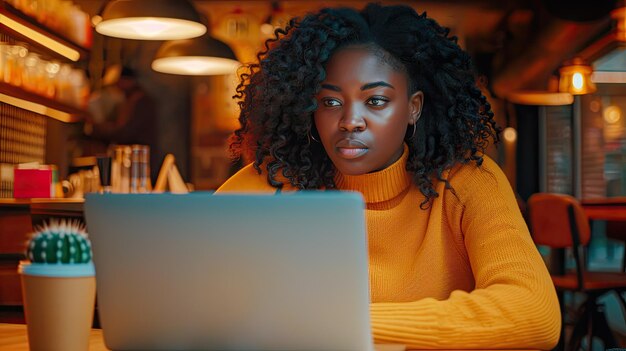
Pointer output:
x,y
551,217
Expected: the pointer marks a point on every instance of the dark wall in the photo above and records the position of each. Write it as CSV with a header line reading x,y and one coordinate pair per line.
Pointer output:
x,y
527,150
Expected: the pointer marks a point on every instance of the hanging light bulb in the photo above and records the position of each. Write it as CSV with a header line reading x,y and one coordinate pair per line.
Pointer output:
x,y
510,134
150,20
612,114
576,78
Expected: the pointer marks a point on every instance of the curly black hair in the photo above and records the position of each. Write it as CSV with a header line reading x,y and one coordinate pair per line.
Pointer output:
x,y
278,95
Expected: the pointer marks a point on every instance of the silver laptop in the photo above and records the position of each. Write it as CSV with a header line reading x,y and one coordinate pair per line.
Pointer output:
x,y
231,272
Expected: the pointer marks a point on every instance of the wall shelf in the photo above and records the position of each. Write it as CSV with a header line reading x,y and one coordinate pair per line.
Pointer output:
x,y
26,29
18,97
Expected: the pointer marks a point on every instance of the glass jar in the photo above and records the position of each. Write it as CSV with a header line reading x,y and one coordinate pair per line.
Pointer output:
x,y
64,20
140,169
4,51
29,72
42,11
31,8
51,69
40,77
79,88
63,85
52,8
15,64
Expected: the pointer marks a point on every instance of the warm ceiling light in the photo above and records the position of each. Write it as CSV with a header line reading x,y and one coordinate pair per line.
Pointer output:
x,y
510,134
576,78
201,56
612,114
150,20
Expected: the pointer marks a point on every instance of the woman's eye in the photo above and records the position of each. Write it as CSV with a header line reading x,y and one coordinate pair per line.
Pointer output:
x,y
377,101
331,102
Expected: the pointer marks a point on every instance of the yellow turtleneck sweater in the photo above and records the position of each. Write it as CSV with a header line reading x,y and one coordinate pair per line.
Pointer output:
x,y
462,274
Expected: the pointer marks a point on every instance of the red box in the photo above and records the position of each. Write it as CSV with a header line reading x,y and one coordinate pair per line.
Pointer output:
x,y
29,183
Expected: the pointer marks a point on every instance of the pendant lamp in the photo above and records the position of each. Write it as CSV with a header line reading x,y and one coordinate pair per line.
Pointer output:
x,y
200,56
576,77
150,20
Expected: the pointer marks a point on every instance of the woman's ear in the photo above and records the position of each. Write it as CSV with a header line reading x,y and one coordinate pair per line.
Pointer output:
x,y
416,101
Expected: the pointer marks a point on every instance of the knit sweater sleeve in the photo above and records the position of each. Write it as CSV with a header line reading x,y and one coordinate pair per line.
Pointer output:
x,y
513,305
247,180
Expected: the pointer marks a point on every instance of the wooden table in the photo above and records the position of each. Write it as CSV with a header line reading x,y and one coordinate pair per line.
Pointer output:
x,y
609,208
13,338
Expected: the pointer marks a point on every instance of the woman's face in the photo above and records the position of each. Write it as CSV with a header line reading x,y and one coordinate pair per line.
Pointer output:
x,y
364,109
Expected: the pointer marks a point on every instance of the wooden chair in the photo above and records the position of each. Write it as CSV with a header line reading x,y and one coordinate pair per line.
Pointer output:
x,y
559,222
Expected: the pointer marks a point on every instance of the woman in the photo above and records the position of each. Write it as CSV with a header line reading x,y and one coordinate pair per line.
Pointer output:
x,y
383,102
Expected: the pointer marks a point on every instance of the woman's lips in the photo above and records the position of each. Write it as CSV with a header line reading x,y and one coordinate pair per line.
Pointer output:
x,y
351,153
351,148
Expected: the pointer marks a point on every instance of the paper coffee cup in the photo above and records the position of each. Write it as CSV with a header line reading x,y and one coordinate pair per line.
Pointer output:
x,y
59,301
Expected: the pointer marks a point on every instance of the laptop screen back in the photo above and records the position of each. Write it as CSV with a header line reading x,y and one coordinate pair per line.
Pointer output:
x,y
231,272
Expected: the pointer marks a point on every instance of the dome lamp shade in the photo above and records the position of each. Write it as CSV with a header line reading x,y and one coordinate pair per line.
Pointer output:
x,y
200,56
150,20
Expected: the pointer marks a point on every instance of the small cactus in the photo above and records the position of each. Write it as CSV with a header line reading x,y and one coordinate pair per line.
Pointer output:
x,y
63,242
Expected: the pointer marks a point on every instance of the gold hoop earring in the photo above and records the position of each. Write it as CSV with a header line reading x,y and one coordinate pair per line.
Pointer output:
x,y
414,130
312,137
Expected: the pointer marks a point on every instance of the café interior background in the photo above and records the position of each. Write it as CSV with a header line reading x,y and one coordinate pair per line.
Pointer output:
x,y
518,47
554,140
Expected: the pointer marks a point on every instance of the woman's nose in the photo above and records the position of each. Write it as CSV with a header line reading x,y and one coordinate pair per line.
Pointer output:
x,y
352,120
